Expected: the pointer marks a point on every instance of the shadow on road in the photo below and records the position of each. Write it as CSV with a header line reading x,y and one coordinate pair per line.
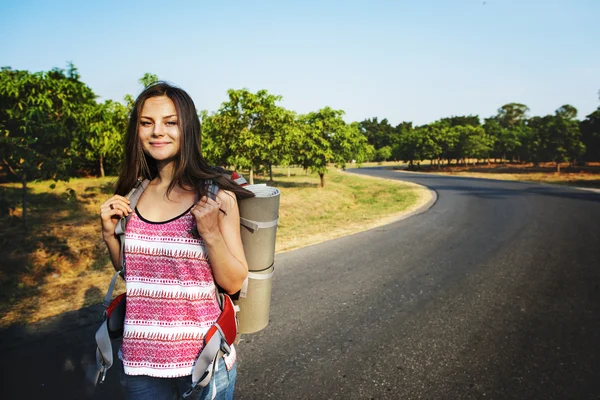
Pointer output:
x,y
48,359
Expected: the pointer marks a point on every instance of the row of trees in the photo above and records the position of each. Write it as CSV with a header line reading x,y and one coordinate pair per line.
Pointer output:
x,y
51,126
510,135
251,131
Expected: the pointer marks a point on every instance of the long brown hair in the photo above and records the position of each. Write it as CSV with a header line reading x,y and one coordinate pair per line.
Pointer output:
x,y
190,170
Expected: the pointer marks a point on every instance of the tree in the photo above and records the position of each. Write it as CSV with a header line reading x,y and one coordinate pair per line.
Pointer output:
x,y
378,134
462,120
251,127
449,141
512,114
556,137
567,136
478,143
506,140
315,151
40,117
148,79
349,144
383,154
106,128
410,148
590,136
145,81
566,111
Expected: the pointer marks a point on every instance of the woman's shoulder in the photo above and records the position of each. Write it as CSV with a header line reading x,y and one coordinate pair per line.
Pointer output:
x,y
227,197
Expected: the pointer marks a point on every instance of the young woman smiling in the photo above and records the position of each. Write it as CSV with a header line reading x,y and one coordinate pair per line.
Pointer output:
x,y
180,245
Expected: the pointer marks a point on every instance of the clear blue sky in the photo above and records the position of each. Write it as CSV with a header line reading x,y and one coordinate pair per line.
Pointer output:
x,y
417,60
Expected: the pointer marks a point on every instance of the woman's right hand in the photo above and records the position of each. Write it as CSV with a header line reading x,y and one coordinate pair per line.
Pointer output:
x,y
110,212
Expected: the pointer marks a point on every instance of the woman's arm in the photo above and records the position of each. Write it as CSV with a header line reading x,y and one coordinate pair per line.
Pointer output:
x,y
114,250
221,235
110,213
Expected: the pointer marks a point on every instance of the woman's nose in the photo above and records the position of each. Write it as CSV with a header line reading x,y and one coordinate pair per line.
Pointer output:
x,y
158,130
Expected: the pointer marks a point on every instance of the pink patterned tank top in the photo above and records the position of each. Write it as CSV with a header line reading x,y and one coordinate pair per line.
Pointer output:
x,y
171,300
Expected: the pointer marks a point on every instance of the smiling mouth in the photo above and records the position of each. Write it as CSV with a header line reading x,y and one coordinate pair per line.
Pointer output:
x,y
158,144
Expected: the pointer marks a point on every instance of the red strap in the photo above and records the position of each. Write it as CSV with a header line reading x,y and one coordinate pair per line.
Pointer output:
x,y
226,322
113,304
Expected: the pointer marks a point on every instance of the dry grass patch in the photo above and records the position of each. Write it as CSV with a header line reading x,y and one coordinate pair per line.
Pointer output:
x,y
59,262
347,204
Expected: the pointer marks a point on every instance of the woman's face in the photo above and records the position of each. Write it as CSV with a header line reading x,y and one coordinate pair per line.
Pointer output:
x,y
159,129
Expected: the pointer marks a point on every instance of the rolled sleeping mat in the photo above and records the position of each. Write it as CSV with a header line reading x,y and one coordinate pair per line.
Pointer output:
x,y
259,216
255,301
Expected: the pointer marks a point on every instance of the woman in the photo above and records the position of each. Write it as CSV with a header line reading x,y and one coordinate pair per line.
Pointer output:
x,y
180,243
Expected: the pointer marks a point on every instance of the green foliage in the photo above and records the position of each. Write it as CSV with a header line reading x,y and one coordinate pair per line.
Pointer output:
x,y
40,117
555,137
51,127
349,144
478,144
328,139
148,79
590,136
506,140
379,133
249,130
41,114
470,120
103,142
383,154
314,152
512,114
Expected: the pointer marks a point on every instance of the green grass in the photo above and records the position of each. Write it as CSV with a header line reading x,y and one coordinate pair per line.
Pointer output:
x,y
59,263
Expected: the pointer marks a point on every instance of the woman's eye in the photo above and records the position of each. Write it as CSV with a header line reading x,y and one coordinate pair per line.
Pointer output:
x,y
172,123
145,123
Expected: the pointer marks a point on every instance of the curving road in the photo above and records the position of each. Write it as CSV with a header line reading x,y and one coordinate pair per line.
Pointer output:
x,y
492,293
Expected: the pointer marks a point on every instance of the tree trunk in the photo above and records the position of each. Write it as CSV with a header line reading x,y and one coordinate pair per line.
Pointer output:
x,y
24,199
101,166
557,167
289,171
251,175
322,176
270,173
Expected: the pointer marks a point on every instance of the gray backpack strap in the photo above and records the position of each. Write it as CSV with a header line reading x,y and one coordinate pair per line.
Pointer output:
x,y
205,364
104,353
133,196
212,189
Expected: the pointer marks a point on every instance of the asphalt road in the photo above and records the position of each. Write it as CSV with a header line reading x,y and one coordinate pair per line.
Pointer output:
x,y
493,293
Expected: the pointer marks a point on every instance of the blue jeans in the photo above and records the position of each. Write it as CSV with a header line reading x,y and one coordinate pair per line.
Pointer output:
x,y
143,387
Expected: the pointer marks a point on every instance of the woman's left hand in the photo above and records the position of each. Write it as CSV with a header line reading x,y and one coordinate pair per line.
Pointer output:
x,y
207,214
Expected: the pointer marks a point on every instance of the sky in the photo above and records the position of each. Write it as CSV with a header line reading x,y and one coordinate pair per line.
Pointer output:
x,y
418,60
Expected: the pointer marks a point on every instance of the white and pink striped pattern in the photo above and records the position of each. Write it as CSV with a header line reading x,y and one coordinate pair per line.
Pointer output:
x,y
171,300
